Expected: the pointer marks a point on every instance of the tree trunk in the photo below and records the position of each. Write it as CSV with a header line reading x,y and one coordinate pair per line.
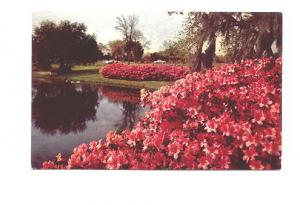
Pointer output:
x,y
279,46
197,65
198,62
263,44
208,57
128,59
205,59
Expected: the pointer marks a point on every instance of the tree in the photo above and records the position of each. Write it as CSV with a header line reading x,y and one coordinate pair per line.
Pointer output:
x,y
242,35
155,56
65,43
137,50
173,51
117,49
256,35
103,48
131,34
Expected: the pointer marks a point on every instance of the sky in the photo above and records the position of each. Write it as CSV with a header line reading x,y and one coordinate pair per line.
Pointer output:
x,y
156,26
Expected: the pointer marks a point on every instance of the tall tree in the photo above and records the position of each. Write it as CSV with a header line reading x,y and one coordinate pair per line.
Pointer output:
x,y
117,49
243,35
104,48
254,35
131,34
137,51
173,51
65,43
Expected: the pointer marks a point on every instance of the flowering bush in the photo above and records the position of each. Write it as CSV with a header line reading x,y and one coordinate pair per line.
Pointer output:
x,y
144,72
225,118
120,94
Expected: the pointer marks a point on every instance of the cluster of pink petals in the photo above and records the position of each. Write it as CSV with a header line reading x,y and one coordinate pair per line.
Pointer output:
x,y
226,118
144,72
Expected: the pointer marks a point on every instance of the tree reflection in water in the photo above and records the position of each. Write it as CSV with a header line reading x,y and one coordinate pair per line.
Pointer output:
x,y
129,112
63,108
130,99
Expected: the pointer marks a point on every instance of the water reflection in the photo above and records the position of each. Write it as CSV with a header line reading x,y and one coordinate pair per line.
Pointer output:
x,y
66,115
63,108
129,111
129,98
116,94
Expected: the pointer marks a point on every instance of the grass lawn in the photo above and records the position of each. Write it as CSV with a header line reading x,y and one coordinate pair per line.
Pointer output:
x,y
93,67
97,78
82,68
90,74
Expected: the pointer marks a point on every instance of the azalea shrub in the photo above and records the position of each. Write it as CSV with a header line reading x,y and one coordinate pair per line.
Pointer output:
x,y
120,94
225,118
144,72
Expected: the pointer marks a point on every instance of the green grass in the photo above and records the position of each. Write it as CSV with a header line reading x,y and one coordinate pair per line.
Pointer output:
x,y
90,74
81,68
92,67
99,79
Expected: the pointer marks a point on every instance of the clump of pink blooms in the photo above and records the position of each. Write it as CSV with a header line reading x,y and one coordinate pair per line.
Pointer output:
x,y
140,72
226,118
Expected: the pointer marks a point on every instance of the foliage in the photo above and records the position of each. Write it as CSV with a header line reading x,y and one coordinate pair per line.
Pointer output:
x,y
133,38
225,118
65,43
242,35
105,50
156,56
137,51
144,72
117,49
122,50
173,51
255,35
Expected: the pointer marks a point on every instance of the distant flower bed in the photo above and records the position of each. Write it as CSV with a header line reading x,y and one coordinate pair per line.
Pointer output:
x,y
225,118
144,72
120,94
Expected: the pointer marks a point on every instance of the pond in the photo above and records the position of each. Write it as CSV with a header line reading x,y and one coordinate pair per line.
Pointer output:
x,y
65,115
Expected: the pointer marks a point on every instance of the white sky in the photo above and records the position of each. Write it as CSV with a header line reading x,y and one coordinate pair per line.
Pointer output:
x,y
156,26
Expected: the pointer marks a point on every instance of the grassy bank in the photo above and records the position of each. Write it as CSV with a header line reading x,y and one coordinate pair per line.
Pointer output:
x,y
90,74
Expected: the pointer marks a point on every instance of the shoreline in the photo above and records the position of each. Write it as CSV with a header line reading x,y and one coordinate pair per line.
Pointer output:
x,y
96,78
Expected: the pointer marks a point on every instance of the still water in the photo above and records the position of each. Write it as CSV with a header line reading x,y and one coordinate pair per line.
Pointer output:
x,y
66,115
